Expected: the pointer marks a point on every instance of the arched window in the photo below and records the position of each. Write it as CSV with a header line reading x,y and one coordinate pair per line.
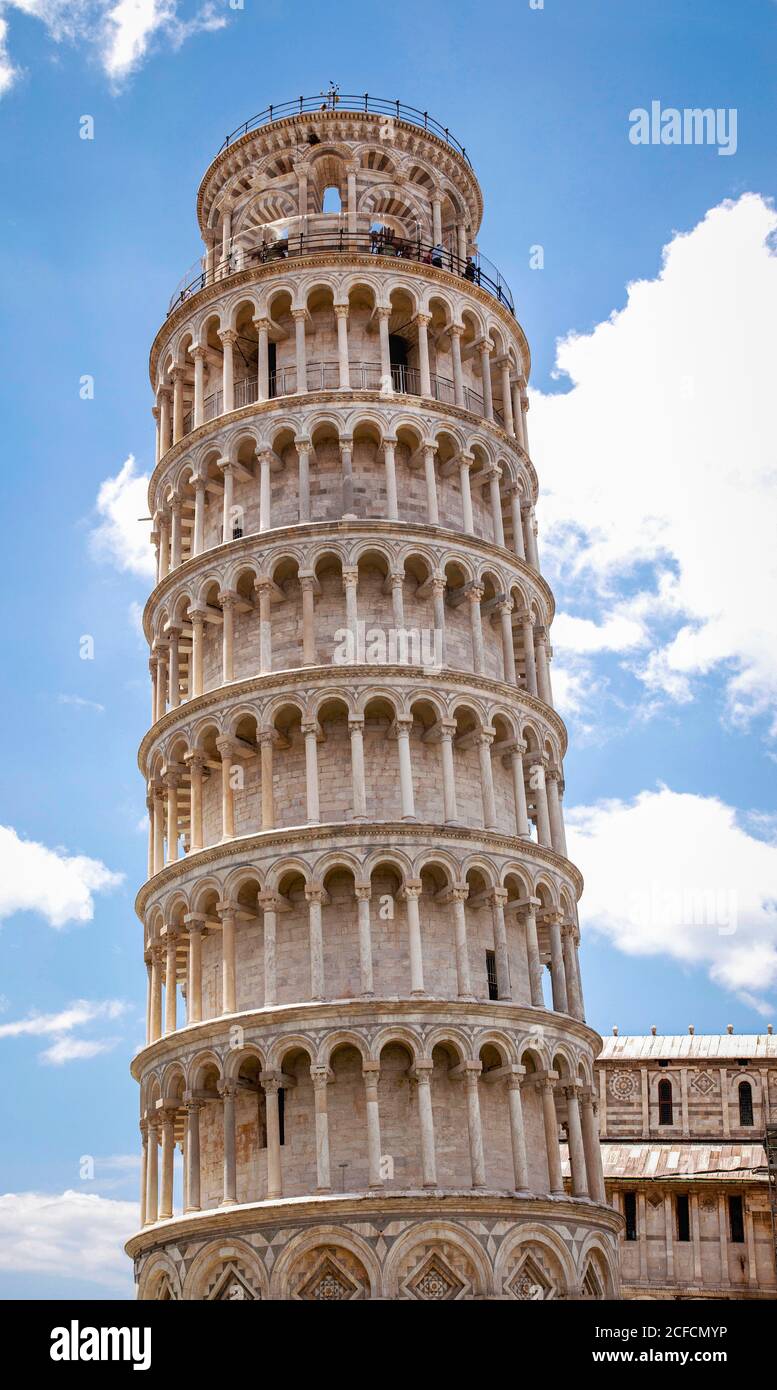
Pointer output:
x,y
665,1104
745,1103
332,201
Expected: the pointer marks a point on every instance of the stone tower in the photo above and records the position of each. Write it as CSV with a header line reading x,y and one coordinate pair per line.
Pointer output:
x,y
356,1056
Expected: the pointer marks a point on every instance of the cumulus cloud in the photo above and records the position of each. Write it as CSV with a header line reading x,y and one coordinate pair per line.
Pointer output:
x,y
72,1235
659,469
59,886
121,33
61,1025
120,537
676,874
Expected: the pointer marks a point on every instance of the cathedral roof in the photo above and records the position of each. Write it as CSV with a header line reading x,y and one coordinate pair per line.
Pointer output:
x,y
670,1159
695,1046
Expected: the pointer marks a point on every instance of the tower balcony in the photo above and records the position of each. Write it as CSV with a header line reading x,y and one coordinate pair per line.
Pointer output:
x,y
322,235
325,376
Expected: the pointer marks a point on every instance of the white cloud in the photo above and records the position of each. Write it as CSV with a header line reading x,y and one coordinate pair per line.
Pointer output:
x,y
51,882
675,874
617,634
128,30
8,72
120,536
72,1235
122,32
78,702
75,1050
659,467
74,1016
59,1026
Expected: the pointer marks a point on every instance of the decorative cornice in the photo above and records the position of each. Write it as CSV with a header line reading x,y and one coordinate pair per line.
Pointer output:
x,y
377,1012
263,540
364,674
293,838
332,397
387,1205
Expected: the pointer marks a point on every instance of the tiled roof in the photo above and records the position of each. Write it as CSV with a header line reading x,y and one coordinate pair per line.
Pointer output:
x,y
710,1046
677,1160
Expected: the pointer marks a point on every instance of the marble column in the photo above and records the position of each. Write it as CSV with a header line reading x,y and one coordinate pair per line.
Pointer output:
x,y
550,1122
371,1075
411,893
152,1173
299,316
577,1161
271,1084
310,732
168,1158
459,894
193,1197
433,515
320,1077
315,900
422,322
423,1076
303,467
474,596
454,332
389,463
269,905
498,900
517,1132
229,1153
363,893
356,731
474,1127
341,317
402,728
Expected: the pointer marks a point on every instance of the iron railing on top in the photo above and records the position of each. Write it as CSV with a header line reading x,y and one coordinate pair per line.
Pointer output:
x,y
337,101
476,270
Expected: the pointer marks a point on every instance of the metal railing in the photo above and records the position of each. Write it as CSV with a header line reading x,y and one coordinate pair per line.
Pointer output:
x,y
325,376
337,101
476,270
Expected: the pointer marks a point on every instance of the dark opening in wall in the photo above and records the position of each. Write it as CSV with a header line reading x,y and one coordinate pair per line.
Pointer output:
x,y
682,1206
736,1220
630,1213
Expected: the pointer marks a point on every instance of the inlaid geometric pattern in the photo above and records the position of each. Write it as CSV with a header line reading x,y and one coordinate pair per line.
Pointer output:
x,y
434,1280
532,1281
623,1084
231,1287
328,1283
703,1082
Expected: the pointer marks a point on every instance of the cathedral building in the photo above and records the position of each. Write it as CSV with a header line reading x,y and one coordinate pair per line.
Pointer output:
x,y
366,1034
683,1124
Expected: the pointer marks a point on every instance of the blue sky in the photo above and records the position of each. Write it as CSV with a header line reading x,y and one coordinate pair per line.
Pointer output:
x,y
651,432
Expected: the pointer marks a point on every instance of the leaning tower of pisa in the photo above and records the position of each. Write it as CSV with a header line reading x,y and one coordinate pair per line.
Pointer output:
x,y
367,1072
